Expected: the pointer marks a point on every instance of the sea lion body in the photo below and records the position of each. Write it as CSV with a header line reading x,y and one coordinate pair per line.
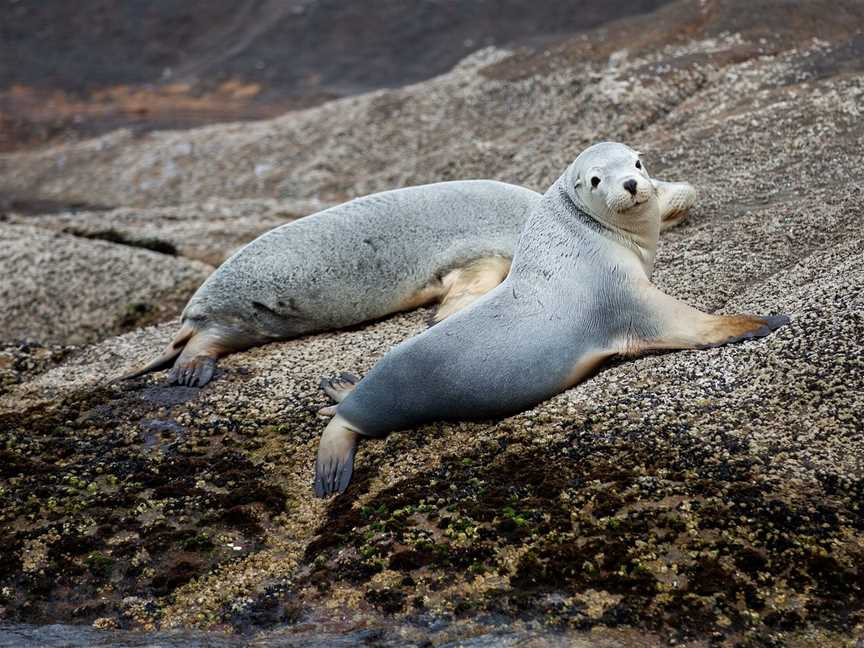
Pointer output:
x,y
360,260
515,347
578,292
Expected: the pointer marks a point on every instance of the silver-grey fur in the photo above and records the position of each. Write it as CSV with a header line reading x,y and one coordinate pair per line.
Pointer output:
x,y
359,261
576,294
354,262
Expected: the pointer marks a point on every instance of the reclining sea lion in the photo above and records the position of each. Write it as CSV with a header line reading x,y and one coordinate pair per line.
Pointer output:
x,y
579,291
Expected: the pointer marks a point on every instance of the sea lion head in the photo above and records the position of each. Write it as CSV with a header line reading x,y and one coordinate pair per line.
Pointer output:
x,y
609,182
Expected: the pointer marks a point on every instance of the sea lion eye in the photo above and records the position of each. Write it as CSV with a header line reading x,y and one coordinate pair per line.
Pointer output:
x,y
595,181
638,164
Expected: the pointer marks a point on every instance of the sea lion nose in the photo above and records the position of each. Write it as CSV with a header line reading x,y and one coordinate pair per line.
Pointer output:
x,y
630,186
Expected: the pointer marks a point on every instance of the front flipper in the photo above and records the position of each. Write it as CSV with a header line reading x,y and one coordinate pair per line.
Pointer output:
x,y
335,463
668,323
675,199
739,328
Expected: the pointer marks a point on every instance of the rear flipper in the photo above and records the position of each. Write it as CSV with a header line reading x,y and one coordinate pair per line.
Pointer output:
x,y
337,389
196,372
463,286
174,349
676,199
197,364
335,463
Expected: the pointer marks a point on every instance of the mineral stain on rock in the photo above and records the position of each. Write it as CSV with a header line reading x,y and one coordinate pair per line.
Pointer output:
x,y
653,526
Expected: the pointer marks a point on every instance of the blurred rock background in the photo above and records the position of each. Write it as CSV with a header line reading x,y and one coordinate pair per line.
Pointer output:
x,y
84,68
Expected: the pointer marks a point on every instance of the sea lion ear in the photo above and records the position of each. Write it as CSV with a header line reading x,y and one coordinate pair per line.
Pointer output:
x,y
578,182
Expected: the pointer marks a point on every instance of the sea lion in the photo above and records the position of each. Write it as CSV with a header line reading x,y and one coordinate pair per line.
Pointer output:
x,y
448,242
578,292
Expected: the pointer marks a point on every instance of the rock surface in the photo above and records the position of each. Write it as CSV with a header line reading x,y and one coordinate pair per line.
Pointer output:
x,y
704,497
209,232
60,288
83,69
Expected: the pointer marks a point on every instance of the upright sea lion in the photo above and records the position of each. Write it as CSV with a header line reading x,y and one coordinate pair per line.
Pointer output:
x,y
448,242
578,292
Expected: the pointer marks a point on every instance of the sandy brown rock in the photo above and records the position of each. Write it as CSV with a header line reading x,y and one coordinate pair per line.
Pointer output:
x,y
705,496
60,288
178,65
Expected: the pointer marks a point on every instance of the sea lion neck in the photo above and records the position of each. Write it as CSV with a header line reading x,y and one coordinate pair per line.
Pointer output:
x,y
641,240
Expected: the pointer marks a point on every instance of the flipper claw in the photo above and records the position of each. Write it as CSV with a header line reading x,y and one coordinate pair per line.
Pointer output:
x,y
197,372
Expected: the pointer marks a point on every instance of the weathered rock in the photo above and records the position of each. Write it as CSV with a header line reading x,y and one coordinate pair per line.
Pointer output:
x,y
483,119
208,232
165,64
702,495
60,288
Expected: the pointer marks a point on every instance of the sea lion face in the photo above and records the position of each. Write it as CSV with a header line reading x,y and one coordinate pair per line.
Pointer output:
x,y
610,182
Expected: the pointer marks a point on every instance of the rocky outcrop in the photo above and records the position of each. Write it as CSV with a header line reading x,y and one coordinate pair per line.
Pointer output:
x,y
108,64
699,496
489,117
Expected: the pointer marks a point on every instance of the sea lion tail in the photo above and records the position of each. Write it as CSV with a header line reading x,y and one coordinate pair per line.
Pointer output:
x,y
174,349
